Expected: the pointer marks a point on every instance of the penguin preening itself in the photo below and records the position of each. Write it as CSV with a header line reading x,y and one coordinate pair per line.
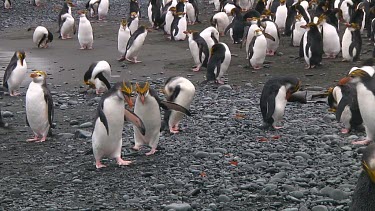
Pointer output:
x,y
134,45
39,106
363,78
123,37
92,6
15,73
68,27
275,94
271,28
95,76
351,43
103,9
181,91
218,62
85,34
67,8
7,4
198,49
133,22
107,134
210,35
147,107
42,36
312,46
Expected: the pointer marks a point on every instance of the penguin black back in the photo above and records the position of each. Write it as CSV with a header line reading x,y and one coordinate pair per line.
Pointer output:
x,y
217,57
203,48
349,98
290,19
134,7
250,14
315,43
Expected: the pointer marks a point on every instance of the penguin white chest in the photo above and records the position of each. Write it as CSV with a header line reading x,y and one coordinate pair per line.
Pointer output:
x,y
281,14
6,4
136,46
85,35
306,49
37,109
331,40
149,113
182,26
168,22
103,8
280,103
259,51
134,25
346,42
250,35
366,102
122,39
298,32
194,50
17,76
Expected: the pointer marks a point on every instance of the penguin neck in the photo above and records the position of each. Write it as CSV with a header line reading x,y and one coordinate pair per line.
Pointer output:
x,y
363,194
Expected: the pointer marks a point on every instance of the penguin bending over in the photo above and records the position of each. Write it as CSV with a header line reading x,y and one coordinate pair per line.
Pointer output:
x,y
134,45
351,43
198,49
275,93
7,4
178,90
109,123
85,34
42,36
218,62
15,73
254,25
147,107
220,21
271,28
312,45
39,106
210,35
123,37
95,76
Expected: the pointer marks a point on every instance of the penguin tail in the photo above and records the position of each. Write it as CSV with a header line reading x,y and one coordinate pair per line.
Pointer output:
x,y
89,152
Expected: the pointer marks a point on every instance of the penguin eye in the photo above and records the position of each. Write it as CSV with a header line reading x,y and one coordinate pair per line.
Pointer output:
x,y
39,75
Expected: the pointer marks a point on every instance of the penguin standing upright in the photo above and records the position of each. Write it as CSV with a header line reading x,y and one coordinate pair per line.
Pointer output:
x,y
67,8
275,93
351,43
181,91
7,4
196,10
312,45
42,36
15,73
190,12
85,34
298,31
257,50
103,9
271,28
39,106
68,27
330,36
210,35
134,7
92,6
107,134
133,22
154,11
280,15
198,49
220,21
179,25
147,107
236,27
254,21
123,38
134,45
218,62
364,79
245,4
95,76
169,17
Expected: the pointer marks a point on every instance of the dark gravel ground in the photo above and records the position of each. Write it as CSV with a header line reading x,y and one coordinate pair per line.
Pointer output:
x,y
220,161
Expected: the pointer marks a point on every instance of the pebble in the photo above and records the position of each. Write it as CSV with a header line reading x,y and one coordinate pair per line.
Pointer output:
x,y
223,198
82,134
201,154
86,125
7,114
319,208
178,207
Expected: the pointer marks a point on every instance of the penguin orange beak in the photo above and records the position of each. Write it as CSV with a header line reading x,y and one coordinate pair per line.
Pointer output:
x,y
33,75
143,99
344,81
129,101
288,95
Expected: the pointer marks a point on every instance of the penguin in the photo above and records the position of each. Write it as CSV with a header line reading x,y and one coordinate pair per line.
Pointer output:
x,y
92,6
147,107
260,6
220,21
218,62
95,76
109,123
103,9
298,31
196,10
39,106
257,50
154,11
250,14
236,27
7,4
133,22
275,93
280,15
351,43
271,28
85,34
198,49
343,5
210,35
254,21
134,45
68,27
362,198
290,19
36,3
190,12
134,7
15,73
181,91
123,37
169,17
245,4
179,25
67,8
312,45
330,36
180,6
363,78
2,123
42,36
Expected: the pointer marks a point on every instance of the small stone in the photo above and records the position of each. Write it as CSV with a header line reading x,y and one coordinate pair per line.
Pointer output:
x,y
319,208
63,107
77,181
212,206
297,194
223,198
178,207
201,154
82,134
159,186
337,194
224,87
15,191
303,154
7,114
65,135
86,125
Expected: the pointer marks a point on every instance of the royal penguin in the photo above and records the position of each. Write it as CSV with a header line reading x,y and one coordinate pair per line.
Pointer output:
x,y
67,8
330,36
271,28
123,37
133,22
218,63
220,21
351,43
154,11
257,50
169,17
280,15
196,9
245,4
181,91
236,27
68,27
15,73
178,26
363,195
254,25
103,9
298,31
92,6
210,35
275,93
42,36
312,46
363,78
7,4
85,33
134,7
190,12
180,6
134,45
36,3
147,107
39,106
198,49
109,124
95,76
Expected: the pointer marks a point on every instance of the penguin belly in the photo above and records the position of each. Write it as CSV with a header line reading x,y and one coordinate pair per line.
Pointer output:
x,y
190,11
346,42
222,21
345,12
17,76
37,110
280,103
105,145
149,113
85,36
168,22
366,103
331,40
271,29
259,50
306,49
67,29
194,50
149,13
281,14
7,4
134,25
182,26
122,39
103,9
39,34
298,33
136,46
216,5
245,4
100,86
250,35
346,116
184,99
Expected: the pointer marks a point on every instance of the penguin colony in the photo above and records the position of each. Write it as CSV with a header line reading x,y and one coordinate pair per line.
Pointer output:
x,y
312,26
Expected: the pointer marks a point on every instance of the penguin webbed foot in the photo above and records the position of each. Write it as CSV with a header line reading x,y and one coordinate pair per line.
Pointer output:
x,y
265,126
345,131
363,142
151,152
99,165
122,162
33,139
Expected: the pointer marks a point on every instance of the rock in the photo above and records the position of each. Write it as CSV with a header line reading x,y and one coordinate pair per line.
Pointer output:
x,y
86,125
338,195
178,207
290,209
7,114
82,134
297,194
319,208
65,135
201,154
77,181
159,186
303,154
224,87
223,198
15,191
329,118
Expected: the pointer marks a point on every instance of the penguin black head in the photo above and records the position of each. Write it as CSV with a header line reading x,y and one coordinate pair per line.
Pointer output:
x,y
38,76
50,36
21,56
356,74
142,89
293,85
87,77
172,9
127,90
70,3
332,103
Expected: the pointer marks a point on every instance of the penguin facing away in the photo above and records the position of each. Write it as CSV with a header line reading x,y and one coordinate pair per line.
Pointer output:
x,y
178,90
103,9
220,21
95,76
218,62
154,11
198,49
275,93
123,37
92,6
107,133
42,36
236,27
147,107
330,37
85,33
312,46
39,106
134,45
15,73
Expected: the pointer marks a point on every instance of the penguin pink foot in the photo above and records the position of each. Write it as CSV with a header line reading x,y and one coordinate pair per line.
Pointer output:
x,y
43,139
175,129
151,152
257,67
122,162
33,139
219,81
364,142
136,148
13,93
277,128
99,165
196,69
135,61
121,59
345,131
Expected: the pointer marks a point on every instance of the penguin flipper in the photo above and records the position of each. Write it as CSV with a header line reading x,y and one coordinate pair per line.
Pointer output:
x,y
9,70
174,106
41,40
49,101
340,108
27,121
228,27
301,54
175,93
251,48
268,36
102,116
104,79
135,120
